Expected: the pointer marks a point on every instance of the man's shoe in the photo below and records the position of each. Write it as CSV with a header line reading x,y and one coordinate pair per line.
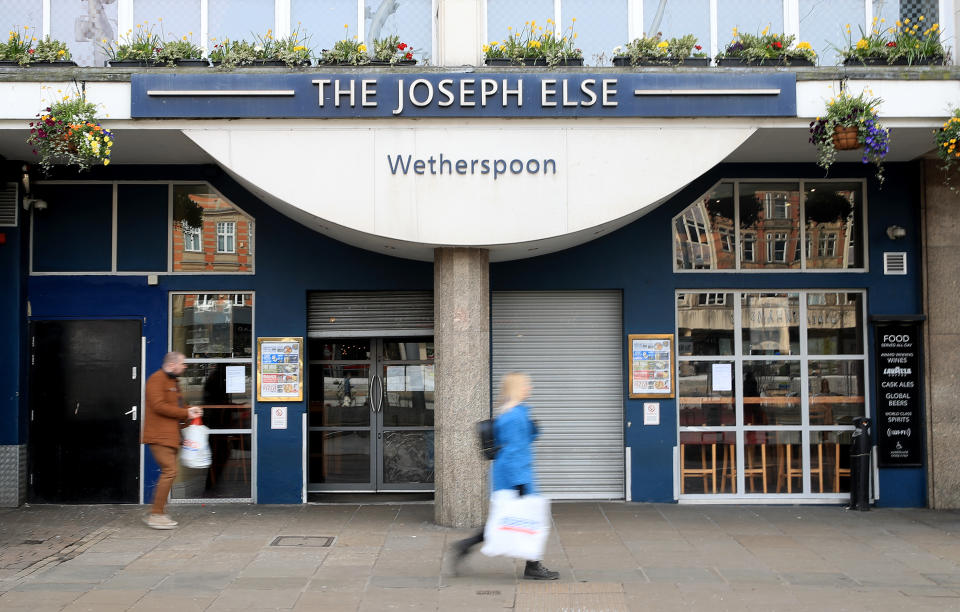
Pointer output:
x,y
159,521
536,571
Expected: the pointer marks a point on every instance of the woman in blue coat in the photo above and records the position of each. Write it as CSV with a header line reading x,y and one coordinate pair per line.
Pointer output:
x,y
514,433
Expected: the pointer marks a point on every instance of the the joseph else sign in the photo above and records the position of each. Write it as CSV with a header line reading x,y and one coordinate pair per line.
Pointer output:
x,y
899,388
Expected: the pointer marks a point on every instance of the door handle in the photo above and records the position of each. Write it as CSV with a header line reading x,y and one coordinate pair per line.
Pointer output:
x,y
378,392
132,412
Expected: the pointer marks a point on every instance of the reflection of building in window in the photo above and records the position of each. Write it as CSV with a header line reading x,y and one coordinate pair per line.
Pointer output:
x,y
726,238
693,239
777,247
828,244
222,239
192,240
712,299
749,240
226,237
776,205
208,325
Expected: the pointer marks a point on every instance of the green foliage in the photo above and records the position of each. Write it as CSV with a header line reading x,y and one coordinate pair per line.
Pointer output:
x,y
655,49
905,41
533,42
68,133
391,49
50,50
138,44
173,50
346,51
858,111
767,47
948,146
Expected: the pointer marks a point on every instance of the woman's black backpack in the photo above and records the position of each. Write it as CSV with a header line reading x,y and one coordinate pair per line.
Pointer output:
x,y
488,447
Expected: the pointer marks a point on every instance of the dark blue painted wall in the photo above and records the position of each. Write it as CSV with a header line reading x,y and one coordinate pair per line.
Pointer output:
x,y
292,260
638,259
12,324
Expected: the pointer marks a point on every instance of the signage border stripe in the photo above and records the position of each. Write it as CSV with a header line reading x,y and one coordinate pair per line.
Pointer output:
x,y
706,92
221,92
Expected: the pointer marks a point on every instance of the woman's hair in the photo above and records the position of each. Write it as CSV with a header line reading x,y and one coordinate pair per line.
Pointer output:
x,y
511,387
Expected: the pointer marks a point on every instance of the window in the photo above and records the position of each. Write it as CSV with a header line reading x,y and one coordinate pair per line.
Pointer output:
x,y
411,20
828,244
192,240
803,225
215,333
210,224
777,248
768,386
226,237
726,239
749,246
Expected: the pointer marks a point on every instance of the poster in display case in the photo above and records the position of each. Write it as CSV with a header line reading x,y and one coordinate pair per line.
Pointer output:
x,y
651,365
279,369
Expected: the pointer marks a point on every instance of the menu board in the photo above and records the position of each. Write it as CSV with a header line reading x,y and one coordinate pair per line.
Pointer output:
x,y
279,369
651,365
899,394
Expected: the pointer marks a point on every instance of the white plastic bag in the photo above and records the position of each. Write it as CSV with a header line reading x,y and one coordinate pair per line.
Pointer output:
x,y
517,526
195,449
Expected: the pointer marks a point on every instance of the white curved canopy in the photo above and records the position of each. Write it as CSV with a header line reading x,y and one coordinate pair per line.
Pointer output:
x,y
572,177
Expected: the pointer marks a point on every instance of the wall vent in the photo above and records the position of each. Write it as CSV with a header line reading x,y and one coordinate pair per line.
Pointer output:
x,y
894,263
8,205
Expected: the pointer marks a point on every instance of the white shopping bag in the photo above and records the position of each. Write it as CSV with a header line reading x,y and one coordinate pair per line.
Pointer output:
x,y
195,449
517,526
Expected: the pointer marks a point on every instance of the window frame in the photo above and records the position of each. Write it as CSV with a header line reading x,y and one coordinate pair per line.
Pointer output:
x,y
225,237
760,240
169,271
251,361
738,358
195,233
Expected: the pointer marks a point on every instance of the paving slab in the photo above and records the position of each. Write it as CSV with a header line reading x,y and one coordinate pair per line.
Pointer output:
x,y
610,556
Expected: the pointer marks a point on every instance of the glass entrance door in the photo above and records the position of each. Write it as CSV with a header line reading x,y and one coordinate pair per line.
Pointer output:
x,y
371,415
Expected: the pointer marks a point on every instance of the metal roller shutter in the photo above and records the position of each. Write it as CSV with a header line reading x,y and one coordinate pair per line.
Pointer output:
x,y
571,344
355,314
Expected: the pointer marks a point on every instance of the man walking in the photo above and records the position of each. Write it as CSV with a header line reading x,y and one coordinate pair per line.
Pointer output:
x,y
162,422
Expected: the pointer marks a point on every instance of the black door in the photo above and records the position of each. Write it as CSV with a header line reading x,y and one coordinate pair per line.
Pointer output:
x,y
371,415
84,412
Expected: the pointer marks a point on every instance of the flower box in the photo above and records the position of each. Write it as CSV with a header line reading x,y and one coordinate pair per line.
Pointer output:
x,y
403,62
53,64
900,61
133,63
625,62
539,62
192,63
742,62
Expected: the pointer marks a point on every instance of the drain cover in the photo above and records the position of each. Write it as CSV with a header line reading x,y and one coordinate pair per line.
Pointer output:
x,y
312,541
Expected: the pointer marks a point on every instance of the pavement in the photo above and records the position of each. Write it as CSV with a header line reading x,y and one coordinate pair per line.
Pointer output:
x,y
611,556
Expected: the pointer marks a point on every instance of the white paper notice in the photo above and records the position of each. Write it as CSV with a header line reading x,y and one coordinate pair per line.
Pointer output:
x,y
722,377
235,380
651,413
278,417
395,378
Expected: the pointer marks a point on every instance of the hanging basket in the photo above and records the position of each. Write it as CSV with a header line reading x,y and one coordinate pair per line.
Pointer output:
x,y
845,138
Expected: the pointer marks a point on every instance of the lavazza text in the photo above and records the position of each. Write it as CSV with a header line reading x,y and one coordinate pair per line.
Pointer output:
x,y
467,93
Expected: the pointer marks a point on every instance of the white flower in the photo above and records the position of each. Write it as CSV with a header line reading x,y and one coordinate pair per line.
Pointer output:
x,y
258,48
617,49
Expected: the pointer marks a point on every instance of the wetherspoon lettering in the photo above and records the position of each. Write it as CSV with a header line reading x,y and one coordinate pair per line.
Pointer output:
x,y
467,93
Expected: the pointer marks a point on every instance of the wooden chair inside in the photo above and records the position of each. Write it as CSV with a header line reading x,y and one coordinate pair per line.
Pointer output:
x,y
837,470
728,468
706,471
789,466
817,470
755,466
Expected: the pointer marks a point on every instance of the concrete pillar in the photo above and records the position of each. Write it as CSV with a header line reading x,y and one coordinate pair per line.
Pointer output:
x,y
460,27
461,314
941,281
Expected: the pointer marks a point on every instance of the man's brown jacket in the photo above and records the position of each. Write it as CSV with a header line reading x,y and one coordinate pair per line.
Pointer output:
x,y
164,411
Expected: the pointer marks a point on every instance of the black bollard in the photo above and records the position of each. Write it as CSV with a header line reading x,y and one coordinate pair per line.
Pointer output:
x,y
860,465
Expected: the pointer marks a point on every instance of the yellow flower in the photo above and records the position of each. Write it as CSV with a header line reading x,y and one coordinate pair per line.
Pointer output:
x,y
485,48
663,44
362,48
106,162
184,38
765,30
899,23
803,45
61,52
922,18
907,20
862,43
494,43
